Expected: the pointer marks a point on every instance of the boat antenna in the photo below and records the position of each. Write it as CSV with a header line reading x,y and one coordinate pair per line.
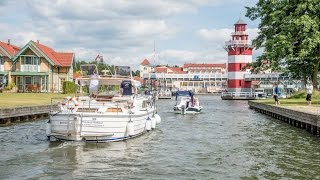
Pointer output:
x,y
154,52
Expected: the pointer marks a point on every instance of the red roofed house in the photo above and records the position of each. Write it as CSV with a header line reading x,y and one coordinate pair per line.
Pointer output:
x,y
205,68
39,68
145,67
7,51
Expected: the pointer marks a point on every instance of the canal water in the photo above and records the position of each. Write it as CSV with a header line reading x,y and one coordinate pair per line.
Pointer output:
x,y
226,141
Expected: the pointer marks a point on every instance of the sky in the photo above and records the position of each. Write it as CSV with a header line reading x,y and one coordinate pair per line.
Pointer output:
x,y
125,32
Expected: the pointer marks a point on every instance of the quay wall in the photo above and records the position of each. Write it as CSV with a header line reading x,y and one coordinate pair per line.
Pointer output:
x,y
20,114
299,119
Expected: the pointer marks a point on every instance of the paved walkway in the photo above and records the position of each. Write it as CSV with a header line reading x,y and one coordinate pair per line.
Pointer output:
x,y
314,109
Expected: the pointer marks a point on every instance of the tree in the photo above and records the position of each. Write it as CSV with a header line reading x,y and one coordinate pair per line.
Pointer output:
x,y
290,34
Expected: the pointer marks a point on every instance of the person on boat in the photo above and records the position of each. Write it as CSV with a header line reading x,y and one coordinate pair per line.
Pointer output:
x,y
94,84
126,88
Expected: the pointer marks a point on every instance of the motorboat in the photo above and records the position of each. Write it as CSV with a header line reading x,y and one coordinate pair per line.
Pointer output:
x,y
189,104
164,94
102,115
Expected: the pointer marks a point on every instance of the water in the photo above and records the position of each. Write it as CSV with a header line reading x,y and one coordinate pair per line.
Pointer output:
x,y
226,141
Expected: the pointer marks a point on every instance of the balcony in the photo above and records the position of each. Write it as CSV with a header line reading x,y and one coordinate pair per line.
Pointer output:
x,y
30,68
246,43
1,67
240,33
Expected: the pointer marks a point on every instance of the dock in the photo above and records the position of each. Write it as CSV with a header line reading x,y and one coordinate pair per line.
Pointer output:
x,y
23,114
305,117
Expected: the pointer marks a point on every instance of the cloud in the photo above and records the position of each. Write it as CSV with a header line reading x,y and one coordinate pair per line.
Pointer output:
x,y
121,30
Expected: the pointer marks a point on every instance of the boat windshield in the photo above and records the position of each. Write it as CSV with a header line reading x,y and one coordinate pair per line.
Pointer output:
x,y
183,93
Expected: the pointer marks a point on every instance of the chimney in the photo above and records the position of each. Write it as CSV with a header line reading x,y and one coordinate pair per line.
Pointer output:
x,y
38,41
8,41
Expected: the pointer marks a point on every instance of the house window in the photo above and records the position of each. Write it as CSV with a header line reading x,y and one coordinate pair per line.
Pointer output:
x,y
1,60
31,60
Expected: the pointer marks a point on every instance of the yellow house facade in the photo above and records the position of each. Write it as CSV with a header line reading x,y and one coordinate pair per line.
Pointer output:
x,y
38,68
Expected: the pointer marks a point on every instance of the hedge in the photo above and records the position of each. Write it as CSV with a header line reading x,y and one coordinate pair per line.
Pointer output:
x,y
69,87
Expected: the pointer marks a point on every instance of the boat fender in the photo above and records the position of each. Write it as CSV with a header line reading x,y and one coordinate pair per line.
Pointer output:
x,y
153,122
148,124
130,128
158,118
48,129
77,124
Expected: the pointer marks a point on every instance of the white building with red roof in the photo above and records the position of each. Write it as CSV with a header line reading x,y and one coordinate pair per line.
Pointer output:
x,y
196,77
36,67
145,67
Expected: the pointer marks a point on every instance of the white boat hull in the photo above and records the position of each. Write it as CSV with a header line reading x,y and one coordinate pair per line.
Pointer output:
x,y
101,121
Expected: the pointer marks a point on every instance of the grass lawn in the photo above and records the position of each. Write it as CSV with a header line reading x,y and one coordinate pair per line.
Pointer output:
x,y
27,99
298,99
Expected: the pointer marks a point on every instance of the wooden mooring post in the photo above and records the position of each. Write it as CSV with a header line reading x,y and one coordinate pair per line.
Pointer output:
x,y
300,119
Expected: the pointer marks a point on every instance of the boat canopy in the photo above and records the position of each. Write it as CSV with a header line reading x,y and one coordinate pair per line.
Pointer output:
x,y
91,77
184,93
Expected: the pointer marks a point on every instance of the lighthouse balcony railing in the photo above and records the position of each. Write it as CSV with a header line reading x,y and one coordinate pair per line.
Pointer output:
x,y
238,42
239,33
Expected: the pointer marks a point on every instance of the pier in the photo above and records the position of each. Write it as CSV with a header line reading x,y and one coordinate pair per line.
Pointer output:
x,y
305,117
21,114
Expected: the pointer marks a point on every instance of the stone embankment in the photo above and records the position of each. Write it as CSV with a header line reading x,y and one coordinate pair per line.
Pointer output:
x,y
306,117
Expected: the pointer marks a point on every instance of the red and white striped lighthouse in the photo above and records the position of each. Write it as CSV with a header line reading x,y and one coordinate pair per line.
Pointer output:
x,y
239,54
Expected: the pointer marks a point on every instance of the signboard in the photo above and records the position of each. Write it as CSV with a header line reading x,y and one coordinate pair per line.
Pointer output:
x,y
89,69
123,71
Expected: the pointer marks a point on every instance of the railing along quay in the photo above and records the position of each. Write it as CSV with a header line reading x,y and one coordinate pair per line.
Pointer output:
x,y
305,120
20,114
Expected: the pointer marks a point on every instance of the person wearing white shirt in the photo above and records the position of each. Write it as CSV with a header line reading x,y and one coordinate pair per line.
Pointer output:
x,y
309,88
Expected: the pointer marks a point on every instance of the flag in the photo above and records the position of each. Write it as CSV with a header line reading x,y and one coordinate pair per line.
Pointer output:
x,y
99,58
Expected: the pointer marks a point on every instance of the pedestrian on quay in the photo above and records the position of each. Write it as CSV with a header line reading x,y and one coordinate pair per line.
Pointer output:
x,y
309,88
276,93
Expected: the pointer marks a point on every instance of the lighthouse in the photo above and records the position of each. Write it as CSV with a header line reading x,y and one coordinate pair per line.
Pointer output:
x,y
239,50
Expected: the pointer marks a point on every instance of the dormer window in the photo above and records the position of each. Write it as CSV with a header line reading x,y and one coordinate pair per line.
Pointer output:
x,y
30,63
30,60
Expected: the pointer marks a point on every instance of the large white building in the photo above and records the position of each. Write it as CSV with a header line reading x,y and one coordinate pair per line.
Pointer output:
x,y
196,77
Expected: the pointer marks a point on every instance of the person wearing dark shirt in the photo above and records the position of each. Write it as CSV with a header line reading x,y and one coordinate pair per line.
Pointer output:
x,y
126,88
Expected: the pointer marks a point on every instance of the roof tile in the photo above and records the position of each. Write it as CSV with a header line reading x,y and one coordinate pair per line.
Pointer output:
x,y
60,59
11,49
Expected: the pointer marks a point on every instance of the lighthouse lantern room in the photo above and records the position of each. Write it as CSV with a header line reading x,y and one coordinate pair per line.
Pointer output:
x,y
239,50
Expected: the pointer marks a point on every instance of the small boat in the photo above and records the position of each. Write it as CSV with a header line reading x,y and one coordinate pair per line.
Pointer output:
x,y
103,116
188,104
164,94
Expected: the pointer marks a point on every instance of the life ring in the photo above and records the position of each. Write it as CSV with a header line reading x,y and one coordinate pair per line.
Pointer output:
x,y
70,104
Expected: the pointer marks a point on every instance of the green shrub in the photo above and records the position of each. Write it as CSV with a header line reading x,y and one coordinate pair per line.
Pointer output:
x,y
10,86
69,87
